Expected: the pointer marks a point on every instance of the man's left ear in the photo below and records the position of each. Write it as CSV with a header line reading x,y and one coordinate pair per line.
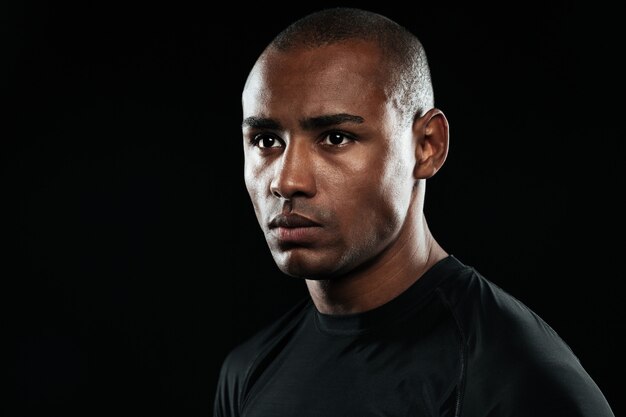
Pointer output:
x,y
432,134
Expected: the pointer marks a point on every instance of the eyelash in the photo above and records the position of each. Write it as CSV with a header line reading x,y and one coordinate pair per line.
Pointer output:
x,y
257,138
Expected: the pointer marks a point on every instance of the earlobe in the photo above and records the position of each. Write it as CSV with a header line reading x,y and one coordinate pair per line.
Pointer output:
x,y
432,141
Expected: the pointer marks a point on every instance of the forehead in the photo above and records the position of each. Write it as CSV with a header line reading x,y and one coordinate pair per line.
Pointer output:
x,y
313,79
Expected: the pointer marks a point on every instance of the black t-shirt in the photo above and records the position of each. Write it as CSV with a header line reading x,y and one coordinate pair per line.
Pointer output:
x,y
453,344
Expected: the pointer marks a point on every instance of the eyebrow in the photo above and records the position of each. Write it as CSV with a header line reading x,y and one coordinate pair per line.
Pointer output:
x,y
260,123
318,122
310,123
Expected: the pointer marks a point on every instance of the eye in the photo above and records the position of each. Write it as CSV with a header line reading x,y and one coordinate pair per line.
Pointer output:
x,y
265,140
336,139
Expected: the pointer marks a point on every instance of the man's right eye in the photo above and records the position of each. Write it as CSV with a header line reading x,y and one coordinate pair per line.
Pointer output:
x,y
265,140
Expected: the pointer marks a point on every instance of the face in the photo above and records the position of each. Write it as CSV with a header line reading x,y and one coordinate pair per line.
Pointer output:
x,y
328,161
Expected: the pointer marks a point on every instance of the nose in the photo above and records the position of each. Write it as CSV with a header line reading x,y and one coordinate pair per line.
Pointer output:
x,y
294,174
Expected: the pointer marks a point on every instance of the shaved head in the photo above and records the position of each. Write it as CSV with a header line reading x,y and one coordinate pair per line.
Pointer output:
x,y
409,83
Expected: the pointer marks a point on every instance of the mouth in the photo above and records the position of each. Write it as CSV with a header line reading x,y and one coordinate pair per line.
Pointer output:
x,y
292,221
294,229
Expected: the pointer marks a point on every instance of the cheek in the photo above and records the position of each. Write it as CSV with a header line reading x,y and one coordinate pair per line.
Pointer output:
x,y
251,182
255,183
378,194
359,192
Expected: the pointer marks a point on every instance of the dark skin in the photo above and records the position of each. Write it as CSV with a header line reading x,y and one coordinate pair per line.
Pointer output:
x,y
337,177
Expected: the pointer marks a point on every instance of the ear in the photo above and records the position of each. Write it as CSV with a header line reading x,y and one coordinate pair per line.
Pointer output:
x,y
432,141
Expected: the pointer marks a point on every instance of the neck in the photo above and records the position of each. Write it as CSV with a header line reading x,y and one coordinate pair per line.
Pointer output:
x,y
402,263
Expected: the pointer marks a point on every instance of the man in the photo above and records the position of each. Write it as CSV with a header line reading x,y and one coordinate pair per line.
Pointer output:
x,y
340,135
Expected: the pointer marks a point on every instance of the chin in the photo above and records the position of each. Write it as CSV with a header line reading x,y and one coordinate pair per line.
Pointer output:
x,y
305,267
309,263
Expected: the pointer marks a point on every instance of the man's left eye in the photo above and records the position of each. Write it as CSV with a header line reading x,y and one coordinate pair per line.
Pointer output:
x,y
336,139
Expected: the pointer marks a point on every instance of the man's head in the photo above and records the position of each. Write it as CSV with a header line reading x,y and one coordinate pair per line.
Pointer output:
x,y
339,132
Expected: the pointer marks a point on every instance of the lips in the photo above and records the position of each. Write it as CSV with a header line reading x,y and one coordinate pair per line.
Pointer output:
x,y
291,221
294,230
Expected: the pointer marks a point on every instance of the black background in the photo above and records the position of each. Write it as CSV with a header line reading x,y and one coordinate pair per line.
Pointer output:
x,y
134,261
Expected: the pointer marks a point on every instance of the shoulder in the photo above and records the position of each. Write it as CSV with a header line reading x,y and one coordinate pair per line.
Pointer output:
x,y
488,314
241,361
243,355
515,362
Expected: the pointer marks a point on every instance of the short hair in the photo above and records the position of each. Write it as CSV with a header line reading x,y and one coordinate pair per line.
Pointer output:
x,y
402,49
